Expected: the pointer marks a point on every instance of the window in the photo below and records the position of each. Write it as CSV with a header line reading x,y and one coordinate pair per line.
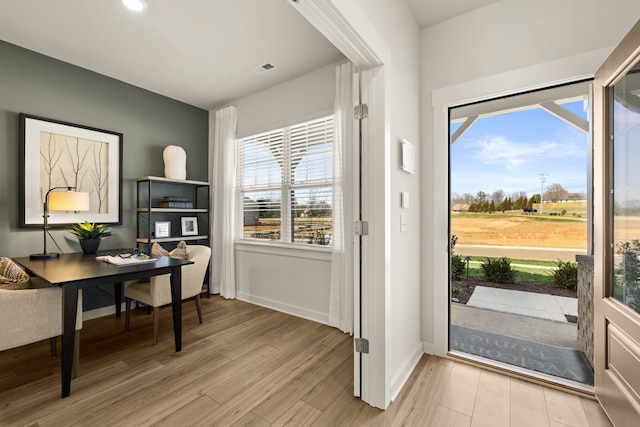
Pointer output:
x,y
285,180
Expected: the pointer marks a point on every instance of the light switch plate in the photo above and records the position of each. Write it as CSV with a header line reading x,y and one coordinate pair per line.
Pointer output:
x,y
404,199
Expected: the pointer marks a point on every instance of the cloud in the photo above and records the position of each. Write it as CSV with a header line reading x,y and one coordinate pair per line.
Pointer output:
x,y
499,151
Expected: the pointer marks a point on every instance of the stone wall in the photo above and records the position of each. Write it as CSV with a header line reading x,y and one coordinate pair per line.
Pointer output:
x,y
585,305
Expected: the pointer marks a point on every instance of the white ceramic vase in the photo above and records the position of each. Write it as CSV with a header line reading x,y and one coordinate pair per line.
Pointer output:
x,y
175,162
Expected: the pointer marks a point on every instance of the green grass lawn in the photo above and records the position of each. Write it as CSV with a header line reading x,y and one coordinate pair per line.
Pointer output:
x,y
523,274
520,261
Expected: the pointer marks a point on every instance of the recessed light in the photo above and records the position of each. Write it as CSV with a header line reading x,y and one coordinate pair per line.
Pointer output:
x,y
135,5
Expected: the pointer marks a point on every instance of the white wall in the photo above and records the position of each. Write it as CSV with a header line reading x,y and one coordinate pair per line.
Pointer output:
x,y
396,25
503,48
292,280
307,97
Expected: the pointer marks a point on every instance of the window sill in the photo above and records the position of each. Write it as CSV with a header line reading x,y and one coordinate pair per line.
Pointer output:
x,y
285,249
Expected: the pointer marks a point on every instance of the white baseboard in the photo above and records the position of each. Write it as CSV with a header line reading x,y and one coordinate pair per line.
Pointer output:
x,y
428,347
405,372
101,312
285,308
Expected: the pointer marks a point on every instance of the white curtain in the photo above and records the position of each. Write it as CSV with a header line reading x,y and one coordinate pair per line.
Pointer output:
x,y
342,262
222,167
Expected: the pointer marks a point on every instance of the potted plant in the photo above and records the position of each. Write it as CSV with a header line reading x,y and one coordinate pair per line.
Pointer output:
x,y
90,235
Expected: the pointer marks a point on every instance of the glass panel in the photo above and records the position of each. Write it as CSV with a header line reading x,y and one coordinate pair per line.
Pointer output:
x,y
261,160
311,209
625,150
312,152
285,180
261,218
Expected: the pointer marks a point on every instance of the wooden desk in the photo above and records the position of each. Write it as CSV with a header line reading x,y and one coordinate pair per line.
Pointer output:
x,y
78,271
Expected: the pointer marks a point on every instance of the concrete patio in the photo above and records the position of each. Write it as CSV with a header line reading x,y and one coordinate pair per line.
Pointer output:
x,y
546,331
541,306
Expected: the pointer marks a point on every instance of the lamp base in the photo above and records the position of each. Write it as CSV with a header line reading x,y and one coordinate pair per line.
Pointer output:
x,y
46,255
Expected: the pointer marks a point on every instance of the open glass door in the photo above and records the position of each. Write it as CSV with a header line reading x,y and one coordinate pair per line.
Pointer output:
x,y
617,232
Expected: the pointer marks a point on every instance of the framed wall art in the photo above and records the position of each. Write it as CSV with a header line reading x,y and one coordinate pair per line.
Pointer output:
x,y
189,225
163,229
60,154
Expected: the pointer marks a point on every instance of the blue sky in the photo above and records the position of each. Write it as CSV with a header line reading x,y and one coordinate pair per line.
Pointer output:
x,y
509,152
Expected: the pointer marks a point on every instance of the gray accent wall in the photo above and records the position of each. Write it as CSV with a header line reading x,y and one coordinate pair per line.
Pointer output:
x,y
42,86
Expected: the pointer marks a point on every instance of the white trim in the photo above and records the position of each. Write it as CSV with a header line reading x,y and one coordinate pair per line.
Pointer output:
x,y
376,247
337,24
284,249
344,24
564,70
101,312
405,372
560,71
428,347
293,310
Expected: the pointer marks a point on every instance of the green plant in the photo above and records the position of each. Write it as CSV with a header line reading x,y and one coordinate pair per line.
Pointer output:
x,y
627,286
89,230
566,275
457,262
498,270
458,266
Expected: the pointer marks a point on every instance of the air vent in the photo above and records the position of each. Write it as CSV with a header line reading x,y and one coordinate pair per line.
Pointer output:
x,y
261,69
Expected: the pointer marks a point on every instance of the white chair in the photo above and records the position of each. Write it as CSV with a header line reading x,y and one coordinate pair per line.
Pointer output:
x,y
32,315
157,291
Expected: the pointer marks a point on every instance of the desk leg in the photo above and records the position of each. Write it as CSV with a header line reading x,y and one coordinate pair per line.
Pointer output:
x,y
69,310
176,304
117,292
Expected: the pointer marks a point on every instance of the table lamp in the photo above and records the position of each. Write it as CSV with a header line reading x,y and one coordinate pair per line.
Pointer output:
x,y
60,201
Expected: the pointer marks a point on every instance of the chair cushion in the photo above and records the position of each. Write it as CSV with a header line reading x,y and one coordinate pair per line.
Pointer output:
x,y
179,252
12,276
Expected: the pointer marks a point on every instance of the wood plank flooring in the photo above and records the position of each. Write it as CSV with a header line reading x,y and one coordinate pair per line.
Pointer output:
x,y
250,366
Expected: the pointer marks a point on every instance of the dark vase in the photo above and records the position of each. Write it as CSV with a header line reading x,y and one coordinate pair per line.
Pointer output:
x,y
89,246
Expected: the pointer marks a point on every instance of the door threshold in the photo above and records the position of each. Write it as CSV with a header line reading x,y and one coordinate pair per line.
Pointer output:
x,y
538,378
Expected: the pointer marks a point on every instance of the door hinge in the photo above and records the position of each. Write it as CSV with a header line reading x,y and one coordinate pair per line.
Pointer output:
x,y
361,228
361,111
362,345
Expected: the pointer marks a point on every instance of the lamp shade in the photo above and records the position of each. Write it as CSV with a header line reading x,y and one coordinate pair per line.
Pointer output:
x,y
68,201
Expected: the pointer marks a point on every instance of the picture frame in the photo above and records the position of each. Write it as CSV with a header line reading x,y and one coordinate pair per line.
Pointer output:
x,y
54,153
189,225
162,229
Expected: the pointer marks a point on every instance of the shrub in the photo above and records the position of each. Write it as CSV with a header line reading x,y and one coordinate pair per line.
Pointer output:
x,y
566,275
628,274
498,270
458,266
457,263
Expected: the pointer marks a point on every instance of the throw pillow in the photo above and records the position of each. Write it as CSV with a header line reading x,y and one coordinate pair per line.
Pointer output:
x,y
12,276
180,252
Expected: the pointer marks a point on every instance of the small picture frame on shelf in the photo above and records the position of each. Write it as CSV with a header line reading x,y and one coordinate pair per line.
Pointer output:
x,y
163,229
189,225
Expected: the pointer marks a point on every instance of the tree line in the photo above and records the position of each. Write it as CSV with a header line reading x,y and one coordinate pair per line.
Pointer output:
x,y
499,201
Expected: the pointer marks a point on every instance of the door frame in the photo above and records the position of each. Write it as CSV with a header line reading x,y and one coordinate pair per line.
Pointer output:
x,y
344,25
539,76
611,321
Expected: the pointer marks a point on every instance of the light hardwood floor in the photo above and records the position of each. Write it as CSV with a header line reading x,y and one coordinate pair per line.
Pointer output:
x,y
250,366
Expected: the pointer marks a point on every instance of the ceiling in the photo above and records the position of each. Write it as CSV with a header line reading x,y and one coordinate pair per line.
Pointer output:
x,y
196,51
430,12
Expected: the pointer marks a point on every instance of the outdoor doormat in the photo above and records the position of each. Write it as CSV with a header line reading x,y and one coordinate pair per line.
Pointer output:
x,y
561,362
